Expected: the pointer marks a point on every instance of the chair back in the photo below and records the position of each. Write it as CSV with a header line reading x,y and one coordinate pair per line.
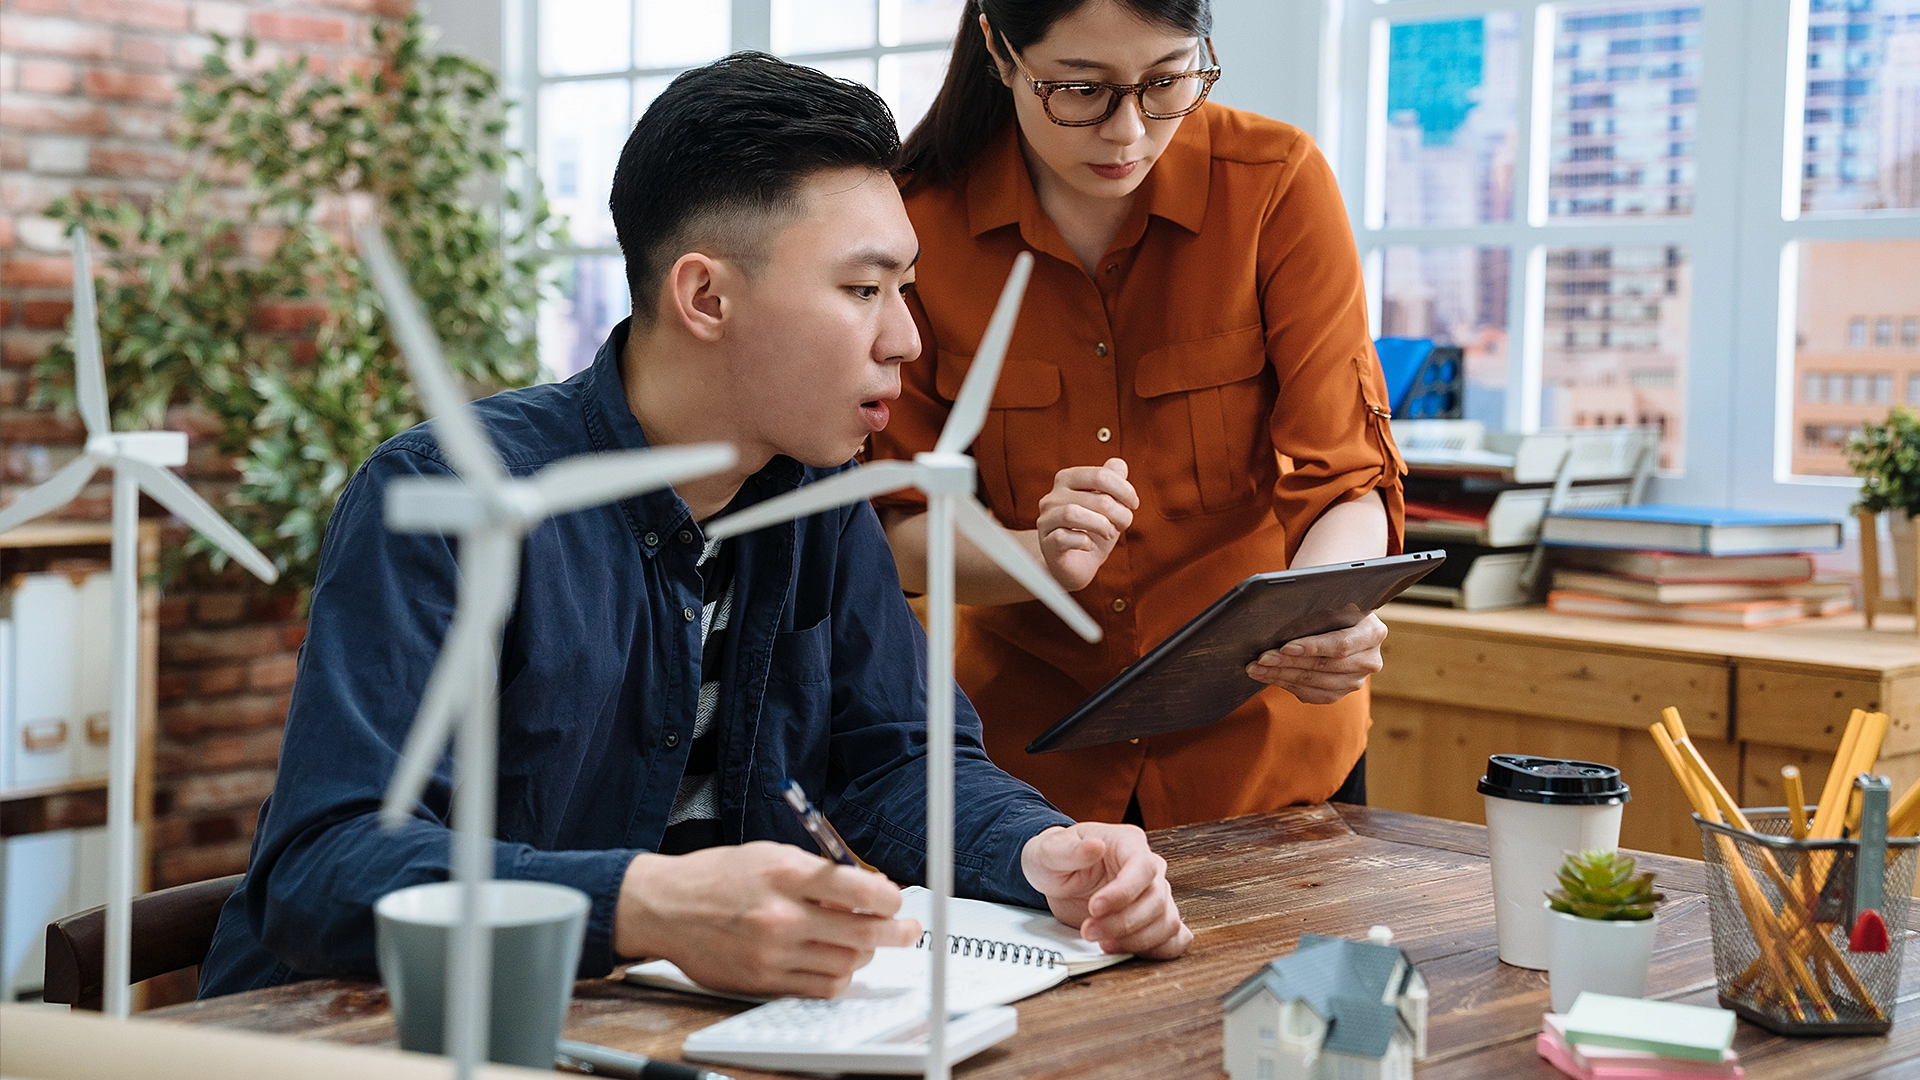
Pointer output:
x,y
172,929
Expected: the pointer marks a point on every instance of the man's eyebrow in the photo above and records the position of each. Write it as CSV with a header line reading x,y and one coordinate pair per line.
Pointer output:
x,y
885,260
1094,65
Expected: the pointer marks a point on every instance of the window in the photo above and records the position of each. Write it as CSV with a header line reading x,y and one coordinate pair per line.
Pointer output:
x,y
597,64
1699,214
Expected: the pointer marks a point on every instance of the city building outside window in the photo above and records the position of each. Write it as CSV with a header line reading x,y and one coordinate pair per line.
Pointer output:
x,y
1541,184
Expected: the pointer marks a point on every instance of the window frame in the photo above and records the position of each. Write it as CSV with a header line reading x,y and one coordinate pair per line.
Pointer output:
x,y
750,27
1739,359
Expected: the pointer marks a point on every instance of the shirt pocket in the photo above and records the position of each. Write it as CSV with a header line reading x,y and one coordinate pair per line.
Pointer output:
x,y
802,657
1206,405
1020,421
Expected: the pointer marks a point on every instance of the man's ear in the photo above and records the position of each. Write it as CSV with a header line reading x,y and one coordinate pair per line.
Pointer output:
x,y
1000,63
696,295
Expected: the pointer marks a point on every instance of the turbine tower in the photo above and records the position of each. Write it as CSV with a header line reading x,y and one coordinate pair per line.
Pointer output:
x,y
491,513
138,460
946,476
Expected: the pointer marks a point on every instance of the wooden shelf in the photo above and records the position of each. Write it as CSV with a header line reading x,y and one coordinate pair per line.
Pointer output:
x,y
58,534
71,787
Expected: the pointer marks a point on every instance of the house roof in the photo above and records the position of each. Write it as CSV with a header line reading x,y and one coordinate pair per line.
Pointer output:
x,y
1344,983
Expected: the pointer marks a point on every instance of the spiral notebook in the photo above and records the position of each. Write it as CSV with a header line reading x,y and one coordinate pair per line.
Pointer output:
x,y
998,953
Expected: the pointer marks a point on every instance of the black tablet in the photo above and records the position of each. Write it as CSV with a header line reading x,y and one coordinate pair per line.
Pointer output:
x,y
1199,674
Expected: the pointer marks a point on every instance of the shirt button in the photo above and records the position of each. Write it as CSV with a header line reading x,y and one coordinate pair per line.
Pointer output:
x,y
1100,349
1111,267
1120,604
652,539
686,536
673,739
686,613
1104,434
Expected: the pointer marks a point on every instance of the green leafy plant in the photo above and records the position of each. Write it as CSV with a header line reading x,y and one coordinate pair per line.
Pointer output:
x,y
1886,458
190,316
1603,885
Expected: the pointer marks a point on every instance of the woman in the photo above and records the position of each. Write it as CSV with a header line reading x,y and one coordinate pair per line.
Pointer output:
x,y
1196,318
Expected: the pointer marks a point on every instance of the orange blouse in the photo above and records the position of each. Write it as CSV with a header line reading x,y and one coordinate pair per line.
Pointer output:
x,y
1221,348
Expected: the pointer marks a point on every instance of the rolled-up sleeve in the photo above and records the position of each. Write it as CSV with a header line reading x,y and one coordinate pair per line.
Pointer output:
x,y
1331,416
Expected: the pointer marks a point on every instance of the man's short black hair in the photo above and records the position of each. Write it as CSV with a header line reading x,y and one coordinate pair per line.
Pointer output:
x,y
720,155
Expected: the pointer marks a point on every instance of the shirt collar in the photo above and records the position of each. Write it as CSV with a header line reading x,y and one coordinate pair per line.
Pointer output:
x,y
1000,193
612,426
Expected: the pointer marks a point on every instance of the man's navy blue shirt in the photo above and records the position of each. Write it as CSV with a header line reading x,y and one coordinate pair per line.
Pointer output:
x,y
824,681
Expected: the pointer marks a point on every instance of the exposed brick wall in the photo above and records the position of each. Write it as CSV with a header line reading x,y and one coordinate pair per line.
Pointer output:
x,y
86,104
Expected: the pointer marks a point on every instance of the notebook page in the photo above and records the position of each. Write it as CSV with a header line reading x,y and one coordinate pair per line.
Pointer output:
x,y
971,983
1019,926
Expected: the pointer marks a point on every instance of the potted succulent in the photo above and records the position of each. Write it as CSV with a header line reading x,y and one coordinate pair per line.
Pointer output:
x,y
1600,924
1886,458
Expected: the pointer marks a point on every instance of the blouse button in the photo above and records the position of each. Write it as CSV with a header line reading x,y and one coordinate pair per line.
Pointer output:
x,y
1104,434
686,613
1111,267
673,739
652,539
1120,603
686,536
1100,349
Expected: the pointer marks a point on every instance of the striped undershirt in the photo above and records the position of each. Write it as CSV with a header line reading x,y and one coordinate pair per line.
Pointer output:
x,y
694,822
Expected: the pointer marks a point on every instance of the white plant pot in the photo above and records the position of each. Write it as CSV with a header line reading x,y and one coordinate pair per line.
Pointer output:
x,y
1606,957
1901,528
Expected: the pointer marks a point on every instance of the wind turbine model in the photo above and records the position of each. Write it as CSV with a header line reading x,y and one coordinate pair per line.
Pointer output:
x,y
946,475
137,459
491,513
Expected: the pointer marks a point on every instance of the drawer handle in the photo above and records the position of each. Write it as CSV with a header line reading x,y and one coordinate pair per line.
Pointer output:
x,y
99,729
41,738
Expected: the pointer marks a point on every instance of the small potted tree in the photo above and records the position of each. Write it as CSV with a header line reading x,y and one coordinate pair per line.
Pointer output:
x,y
1886,458
1600,924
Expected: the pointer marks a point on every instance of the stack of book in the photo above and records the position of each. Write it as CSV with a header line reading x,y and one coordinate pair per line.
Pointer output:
x,y
1614,1038
1482,495
1704,565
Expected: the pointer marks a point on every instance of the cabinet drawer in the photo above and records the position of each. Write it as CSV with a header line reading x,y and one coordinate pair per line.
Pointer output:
x,y
1596,687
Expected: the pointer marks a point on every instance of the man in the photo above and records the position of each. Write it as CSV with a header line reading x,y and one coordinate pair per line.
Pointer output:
x,y
655,688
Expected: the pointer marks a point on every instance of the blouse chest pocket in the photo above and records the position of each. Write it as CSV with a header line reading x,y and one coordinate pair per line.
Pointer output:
x,y
1205,406
1017,450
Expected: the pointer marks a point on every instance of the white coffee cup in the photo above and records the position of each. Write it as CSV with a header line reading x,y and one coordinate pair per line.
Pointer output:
x,y
1538,810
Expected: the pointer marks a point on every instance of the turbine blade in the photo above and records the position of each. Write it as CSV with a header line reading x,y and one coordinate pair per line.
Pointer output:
x,y
594,479
978,526
840,489
454,426
89,366
55,492
969,413
173,493
487,573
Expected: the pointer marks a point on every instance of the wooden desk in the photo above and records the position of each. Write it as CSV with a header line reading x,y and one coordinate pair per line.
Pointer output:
x,y
1249,887
1461,685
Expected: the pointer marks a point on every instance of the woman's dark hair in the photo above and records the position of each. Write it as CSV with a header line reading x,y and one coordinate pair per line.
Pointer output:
x,y
973,104
721,153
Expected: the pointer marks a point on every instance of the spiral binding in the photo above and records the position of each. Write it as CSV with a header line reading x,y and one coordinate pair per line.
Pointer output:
x,y
1007,951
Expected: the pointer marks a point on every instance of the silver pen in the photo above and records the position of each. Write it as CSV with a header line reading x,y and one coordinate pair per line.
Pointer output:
x,y
596,1060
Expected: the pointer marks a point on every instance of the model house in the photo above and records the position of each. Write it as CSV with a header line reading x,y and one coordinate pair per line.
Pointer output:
x,y
1333,1010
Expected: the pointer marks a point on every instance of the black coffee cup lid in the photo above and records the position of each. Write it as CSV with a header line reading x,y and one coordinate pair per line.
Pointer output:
x,y
1558,781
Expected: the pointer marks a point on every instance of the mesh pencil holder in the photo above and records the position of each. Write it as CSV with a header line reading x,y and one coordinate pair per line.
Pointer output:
x,y
1793,973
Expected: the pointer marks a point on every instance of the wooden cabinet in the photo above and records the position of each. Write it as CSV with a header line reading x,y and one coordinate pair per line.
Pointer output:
x,y
1459,686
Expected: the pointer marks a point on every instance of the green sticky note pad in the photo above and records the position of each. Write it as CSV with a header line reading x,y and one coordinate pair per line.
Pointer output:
x,y
1662,1027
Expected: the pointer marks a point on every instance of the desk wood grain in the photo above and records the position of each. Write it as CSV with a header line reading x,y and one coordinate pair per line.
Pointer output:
x,y
1249,887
